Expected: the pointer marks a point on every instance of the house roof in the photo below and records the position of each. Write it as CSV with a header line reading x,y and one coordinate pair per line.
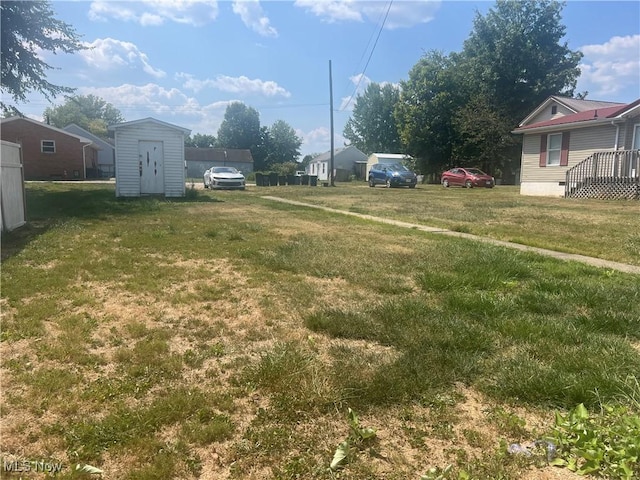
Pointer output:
x,y
195,154
585,118
186,131
80,138
323,157
574,105
84,133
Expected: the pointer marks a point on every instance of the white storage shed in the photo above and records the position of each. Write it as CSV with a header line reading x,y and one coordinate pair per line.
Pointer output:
x,y
150,158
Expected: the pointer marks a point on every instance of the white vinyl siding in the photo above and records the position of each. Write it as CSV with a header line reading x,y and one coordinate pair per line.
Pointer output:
x,y
127,166
583,143
554,149
48,146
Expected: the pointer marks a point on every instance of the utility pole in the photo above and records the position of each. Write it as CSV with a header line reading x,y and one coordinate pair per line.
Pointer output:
x,y
331,117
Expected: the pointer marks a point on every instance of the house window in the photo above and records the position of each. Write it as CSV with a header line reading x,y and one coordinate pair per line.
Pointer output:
x,y
48,146
324,168
554,109
554,149
636,137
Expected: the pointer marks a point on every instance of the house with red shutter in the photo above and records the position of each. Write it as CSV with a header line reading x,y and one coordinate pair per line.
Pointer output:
x,y
581,148
49,153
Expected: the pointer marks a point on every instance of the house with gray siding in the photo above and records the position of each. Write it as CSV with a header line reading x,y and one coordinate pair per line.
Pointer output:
x,y
346,162
149,158
105,159
581,148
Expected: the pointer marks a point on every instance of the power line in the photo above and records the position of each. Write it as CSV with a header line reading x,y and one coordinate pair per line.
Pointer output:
x,y
370,55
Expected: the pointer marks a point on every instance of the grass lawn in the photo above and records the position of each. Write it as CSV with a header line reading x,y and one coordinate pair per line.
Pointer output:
x,y
226,336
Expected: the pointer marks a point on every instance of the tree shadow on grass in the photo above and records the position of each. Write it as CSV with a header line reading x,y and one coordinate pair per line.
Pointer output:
x,y
48,204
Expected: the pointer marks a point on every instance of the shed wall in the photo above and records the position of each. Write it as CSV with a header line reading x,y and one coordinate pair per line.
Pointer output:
x,y
127,166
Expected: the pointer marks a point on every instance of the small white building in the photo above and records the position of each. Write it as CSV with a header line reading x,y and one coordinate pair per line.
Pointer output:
x,y
150,158
345,161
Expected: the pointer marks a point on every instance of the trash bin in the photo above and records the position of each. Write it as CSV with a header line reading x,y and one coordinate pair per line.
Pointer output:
x,y
273,179
282,180
304,179
259,179
313,180
291,179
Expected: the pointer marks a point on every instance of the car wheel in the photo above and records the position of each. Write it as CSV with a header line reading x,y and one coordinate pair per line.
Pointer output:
x,y
205,184
371,182
445,183
468,184
413,185
388,184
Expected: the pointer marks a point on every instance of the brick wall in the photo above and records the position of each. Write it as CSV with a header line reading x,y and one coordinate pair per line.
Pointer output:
x,y
65,163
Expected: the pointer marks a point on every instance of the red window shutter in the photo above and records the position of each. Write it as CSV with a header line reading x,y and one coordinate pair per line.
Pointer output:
x,y
543,150
564,154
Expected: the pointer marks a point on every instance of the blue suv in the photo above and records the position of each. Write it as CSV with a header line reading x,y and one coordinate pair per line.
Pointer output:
x,y
392,175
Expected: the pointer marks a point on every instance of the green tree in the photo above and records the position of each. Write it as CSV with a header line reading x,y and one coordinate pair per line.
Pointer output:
x,y
424,112
372,126
512,61
240,128
26,28
87,111
516,57
201,141
283,144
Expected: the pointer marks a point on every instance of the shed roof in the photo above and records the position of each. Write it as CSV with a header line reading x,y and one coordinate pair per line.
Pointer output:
x,y
155,121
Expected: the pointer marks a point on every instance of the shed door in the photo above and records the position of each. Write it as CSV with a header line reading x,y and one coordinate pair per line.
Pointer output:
x,y
151,166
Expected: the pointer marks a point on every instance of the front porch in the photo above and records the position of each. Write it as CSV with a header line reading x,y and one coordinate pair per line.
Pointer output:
x,y
611,174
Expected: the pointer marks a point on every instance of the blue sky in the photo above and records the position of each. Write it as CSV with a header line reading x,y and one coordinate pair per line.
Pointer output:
x,y
184,61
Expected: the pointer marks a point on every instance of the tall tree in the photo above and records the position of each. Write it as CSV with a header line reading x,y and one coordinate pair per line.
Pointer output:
x,y
241,129
372,126
513,60
517,56
424,112
87,111
26,28
200,140
284,144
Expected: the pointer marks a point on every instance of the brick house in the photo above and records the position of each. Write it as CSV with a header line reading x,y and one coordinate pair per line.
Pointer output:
x,y
49,153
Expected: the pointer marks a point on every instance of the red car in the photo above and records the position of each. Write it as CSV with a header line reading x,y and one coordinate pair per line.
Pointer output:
x,y
467,177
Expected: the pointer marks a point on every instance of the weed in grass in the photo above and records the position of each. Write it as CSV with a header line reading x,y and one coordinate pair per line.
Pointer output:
x,y
605,445
508,424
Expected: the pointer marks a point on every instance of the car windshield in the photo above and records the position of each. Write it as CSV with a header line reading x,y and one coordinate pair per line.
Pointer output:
x,y
475,171
224,170
397,168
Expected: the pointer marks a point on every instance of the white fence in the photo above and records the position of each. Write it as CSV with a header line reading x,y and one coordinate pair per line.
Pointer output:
x,y
12,202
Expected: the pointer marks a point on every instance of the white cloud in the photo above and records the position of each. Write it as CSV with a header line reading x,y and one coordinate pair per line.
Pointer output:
x,y
156,12
253,17
360,82
402,14
611,67
169,105
240,85
109,54
318,140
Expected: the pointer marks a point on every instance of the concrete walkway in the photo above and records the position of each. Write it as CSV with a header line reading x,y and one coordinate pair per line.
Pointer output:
x,y
596,262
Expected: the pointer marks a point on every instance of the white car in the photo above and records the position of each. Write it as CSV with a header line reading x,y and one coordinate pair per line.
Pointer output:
x,y
223,177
